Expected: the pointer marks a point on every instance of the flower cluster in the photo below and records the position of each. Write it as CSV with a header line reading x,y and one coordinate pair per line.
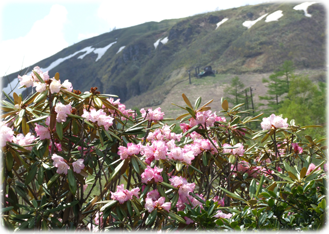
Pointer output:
x,y
6,134
22,140
238,150
122,195
131,149
42,132
154,201
152,174
62,111
51,83
274,121
152,115
62,166
98,116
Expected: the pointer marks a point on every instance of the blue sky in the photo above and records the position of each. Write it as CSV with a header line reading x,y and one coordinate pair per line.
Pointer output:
x,y
33,30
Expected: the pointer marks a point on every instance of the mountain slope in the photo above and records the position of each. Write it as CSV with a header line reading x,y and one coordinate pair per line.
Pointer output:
x,y
131,61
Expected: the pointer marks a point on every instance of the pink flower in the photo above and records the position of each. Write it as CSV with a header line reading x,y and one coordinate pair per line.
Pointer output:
x,y
43,75
150,205
122,195
297,148
99,217
123,152
188,220
220,214
58,146
133,148
62,111
40,87
274,121
239,150
98,116
55,86
152,174
311,168
78,165
25,80
42,132
61,165
22,140
177,181
6,134
155,115
68,85
154,194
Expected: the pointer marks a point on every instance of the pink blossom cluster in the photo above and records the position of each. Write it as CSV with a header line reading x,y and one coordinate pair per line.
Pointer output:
x,y
245,167
152,115
32,80
163,134
182,155
297,148
98,116
131,149
62,111
156,151
121,107
57,146
154,201
274,121
152,175
311,168
184,188
6,134
62,166
239,150
122,195
60,163
42,132
220,214
22,140
205,118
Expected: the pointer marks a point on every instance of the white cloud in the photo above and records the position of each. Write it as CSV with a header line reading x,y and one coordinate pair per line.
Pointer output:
x,y
45,38
83,36
121,14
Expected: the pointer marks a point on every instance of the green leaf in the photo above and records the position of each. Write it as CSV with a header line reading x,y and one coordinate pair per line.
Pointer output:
x,y
135,208
260,185
40,175
117,170
72,182
232,159
31,173
252,188
9,161
225,105
204,158
44,225
177,217
150,219
38,119
197,103
59,130
168,185
5,209
233,195
38,76
174,200
135,164
109,204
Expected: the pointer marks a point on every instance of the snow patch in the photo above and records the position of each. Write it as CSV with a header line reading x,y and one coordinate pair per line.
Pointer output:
x,y
304,6
88,50
120,49
164,40
156,43
249,24
221,22
274,16
101,51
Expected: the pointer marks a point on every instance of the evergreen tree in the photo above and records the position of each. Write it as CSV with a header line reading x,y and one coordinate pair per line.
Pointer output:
x,y
234,92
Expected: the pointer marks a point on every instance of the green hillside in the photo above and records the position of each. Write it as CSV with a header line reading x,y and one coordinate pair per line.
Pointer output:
x,y
194,42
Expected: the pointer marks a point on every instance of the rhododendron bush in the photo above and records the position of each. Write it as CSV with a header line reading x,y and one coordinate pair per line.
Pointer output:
x,y
83,161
